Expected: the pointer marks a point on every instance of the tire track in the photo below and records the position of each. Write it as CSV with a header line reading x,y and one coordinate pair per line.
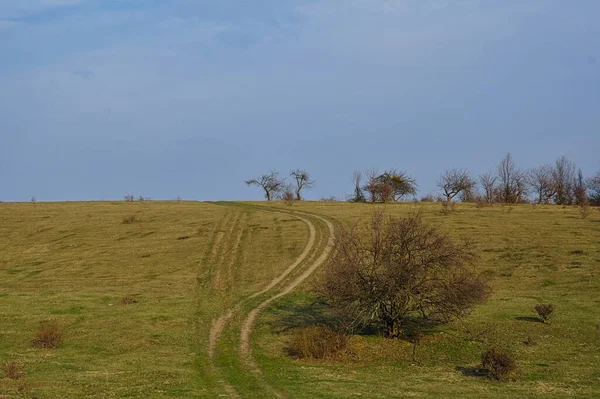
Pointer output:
x,y
245,347
218,325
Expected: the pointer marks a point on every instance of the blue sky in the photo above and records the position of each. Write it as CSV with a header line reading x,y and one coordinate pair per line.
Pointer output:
x,y
186,98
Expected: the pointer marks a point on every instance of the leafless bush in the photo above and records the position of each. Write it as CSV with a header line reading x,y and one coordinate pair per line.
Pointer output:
x,y
401,270
49,335
288,197
318,342
13,370
129,198
500,365
128,300
130,219
448,208
329,199
545,311
585,210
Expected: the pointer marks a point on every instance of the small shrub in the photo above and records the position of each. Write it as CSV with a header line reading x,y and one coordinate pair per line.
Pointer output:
x,y
318,342
448,207
500,365
288,197
585,210
130,219
544,311
529,341
49,336
13,370
128,300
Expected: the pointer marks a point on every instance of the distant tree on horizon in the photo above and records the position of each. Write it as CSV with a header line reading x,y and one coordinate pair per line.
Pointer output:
x,y
456,181
303,182
593,186
512,181
564,177
541,181
488,183
270,183
391,185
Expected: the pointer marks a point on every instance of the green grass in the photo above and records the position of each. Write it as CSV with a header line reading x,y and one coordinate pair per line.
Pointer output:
x,y
542,255
186,263
73,262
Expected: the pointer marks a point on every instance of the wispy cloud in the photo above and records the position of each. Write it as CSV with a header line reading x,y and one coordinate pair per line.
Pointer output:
x,y
11,9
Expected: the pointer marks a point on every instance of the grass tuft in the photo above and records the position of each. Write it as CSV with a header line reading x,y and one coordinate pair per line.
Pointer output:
x,y
13,370
128,300
130,219
49,335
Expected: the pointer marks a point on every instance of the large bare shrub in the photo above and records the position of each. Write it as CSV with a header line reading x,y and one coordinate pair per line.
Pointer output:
x,y
399,271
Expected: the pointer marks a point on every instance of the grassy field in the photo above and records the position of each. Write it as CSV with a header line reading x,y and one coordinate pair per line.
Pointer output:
x,y
185,264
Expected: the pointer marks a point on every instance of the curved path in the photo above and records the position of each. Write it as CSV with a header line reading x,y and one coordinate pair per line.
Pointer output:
x,y
245,348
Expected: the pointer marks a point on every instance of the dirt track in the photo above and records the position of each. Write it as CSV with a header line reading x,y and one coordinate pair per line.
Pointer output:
x,y
245,345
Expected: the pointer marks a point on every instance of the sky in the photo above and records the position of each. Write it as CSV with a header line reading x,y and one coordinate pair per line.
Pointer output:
x,y
189,98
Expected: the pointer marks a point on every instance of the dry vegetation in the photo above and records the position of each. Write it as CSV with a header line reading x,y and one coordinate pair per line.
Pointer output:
x,y
49,335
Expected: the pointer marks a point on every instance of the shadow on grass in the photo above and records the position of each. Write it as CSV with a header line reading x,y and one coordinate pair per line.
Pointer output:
x,y
530,319
473,371
295,314
292,315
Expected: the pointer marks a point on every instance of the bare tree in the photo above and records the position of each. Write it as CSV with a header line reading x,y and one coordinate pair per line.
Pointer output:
x,y
456,181
488,183
580,190
593,186
270,183
564,181
391,185
541,181
303,182
358,195
401,271
372,185
512,181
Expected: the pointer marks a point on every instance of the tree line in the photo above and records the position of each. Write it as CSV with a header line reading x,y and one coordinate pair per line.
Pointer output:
x,y
560,183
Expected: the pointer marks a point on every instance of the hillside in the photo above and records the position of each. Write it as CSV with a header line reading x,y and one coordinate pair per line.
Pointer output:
x,y
152,299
